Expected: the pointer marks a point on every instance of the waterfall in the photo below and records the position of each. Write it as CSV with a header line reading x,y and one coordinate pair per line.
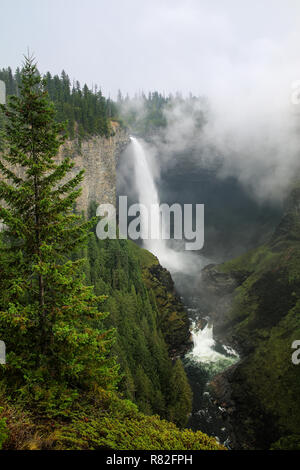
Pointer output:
x,y
173,260
203,361
148,194
186,263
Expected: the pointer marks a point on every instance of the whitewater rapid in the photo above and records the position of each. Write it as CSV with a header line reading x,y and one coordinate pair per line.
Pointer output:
x,y
204,343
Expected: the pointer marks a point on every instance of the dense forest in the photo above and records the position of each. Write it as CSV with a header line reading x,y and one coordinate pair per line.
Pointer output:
x,y
86,111
148,115
143,114
147,328
263,319
91,327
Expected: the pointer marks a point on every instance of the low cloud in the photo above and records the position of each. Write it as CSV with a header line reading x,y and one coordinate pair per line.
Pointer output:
x,y
250,130
243,62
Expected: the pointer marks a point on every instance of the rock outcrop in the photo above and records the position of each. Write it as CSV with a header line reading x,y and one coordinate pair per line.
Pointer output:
x,y
98,157
174,320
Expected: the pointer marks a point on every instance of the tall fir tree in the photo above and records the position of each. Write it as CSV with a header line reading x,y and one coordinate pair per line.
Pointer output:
x,y
49,319
180,398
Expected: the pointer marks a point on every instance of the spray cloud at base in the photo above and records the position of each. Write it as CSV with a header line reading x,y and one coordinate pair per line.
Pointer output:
x,y
174,260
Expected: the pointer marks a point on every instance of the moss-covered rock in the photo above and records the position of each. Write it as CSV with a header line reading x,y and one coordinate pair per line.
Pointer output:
x,y
255,302
173,318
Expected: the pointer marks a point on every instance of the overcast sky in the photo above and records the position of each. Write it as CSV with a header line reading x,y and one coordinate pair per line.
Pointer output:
x,y
189,45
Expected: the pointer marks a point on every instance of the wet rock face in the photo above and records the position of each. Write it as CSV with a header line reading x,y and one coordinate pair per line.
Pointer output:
x,y
221,283
249,425
201,324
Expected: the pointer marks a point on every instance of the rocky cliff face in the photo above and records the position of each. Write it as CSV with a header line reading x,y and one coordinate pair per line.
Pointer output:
x,y
98,157
174,321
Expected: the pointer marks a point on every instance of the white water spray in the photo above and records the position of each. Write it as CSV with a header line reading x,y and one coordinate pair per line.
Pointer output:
x,y
148,196
204,345
203,354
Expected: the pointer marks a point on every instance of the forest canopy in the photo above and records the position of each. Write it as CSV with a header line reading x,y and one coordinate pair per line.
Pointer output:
x,y
86,110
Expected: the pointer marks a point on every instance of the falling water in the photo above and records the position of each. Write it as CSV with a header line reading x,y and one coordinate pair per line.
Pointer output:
x,y
148,195
173,260
204,361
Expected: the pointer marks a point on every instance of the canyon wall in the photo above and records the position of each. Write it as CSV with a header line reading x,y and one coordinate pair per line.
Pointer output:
x,y
98,157
254,301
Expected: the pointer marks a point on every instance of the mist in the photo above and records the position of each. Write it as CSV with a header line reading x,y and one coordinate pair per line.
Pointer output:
x,y
249,105
252,135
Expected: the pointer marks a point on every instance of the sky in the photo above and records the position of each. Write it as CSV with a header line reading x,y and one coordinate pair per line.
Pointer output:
x,y
244,57
201,46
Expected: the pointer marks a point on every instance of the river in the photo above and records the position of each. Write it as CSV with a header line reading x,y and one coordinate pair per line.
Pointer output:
x,y
207,358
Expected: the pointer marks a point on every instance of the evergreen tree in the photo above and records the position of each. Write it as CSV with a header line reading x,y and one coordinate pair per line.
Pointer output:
x,y
49,318
180,398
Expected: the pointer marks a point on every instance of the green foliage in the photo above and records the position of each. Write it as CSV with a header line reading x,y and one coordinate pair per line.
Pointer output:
x,y
146,115
265,317
61,349
180,395
136,432
143,114
103,422
287,443
87,111
118,268
173,319
3,429
49,319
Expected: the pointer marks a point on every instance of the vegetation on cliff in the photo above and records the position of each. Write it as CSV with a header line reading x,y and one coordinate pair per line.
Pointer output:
x,y
103,422
150,114
263,321
58,389
86,111
144,311
143,114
